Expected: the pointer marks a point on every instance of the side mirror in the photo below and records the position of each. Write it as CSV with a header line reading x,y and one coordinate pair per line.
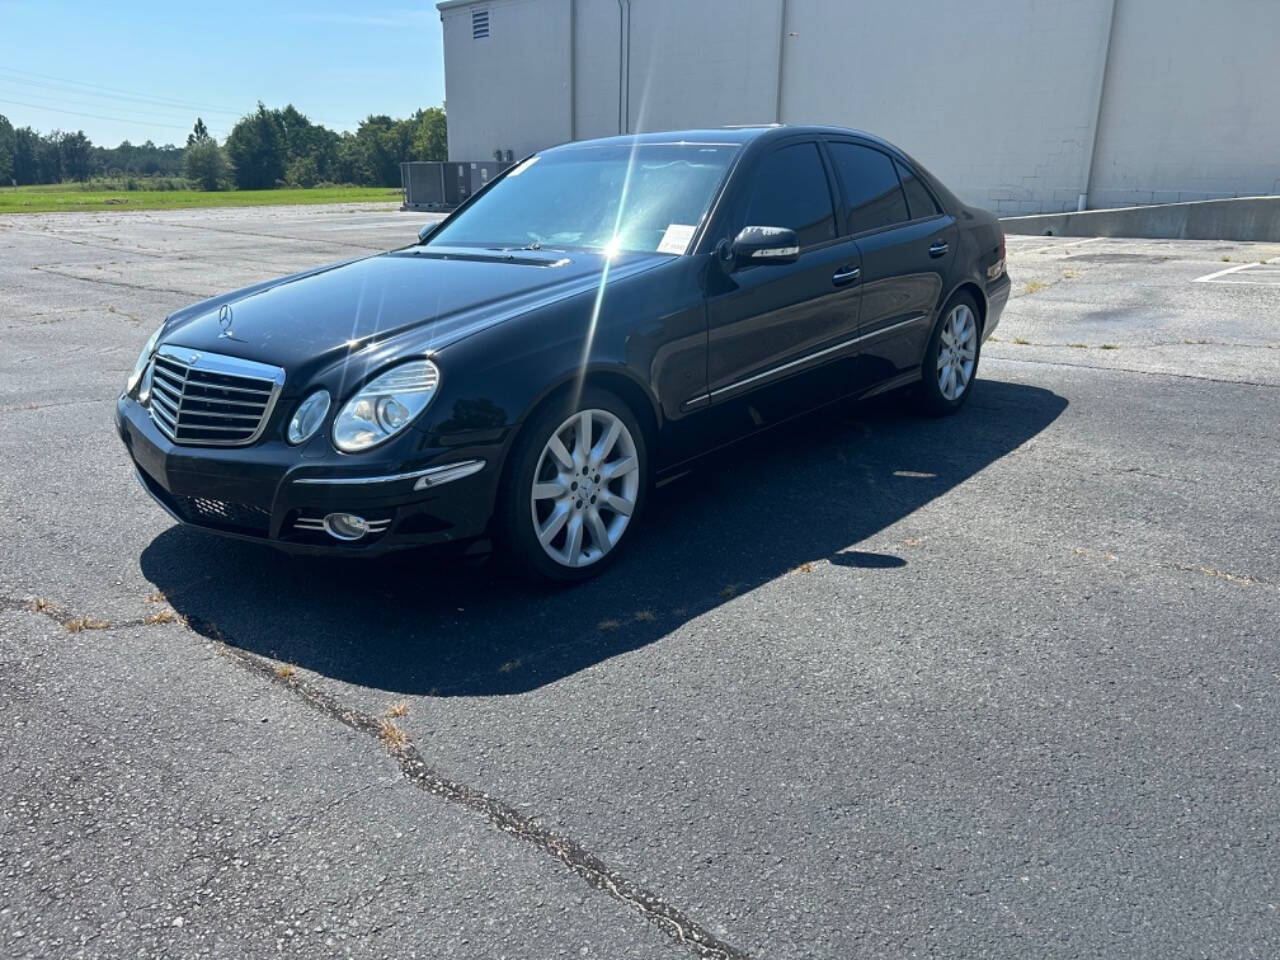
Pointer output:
x,y
765,245
427,230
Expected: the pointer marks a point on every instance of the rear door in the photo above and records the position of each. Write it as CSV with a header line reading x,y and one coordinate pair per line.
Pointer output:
x,y
907,246
776,330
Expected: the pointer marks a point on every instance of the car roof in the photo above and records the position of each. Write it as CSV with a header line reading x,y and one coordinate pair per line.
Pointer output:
x,y
734,135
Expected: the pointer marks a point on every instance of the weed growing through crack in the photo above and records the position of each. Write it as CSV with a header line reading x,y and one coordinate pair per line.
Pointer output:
x,y
392,735
40,605
398,709
156,596
1022,341
77,624
1109,346
164,616
286,670
1034,286
1079,346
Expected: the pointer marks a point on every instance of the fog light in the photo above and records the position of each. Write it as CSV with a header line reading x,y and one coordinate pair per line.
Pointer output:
x,y
346,526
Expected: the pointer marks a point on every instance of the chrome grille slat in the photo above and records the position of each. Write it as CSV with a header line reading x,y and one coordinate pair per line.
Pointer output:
x,y
201,426
219,415
166,422
217,386
208,399
169,392
228,403
167,377
167,406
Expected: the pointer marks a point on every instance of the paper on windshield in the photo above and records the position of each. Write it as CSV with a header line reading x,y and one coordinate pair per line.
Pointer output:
x,y
676,239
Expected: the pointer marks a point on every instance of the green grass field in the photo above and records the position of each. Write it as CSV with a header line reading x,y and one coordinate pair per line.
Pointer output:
x,y
65,198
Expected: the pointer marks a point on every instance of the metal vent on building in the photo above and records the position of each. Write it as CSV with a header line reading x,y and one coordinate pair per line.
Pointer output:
x,y
479,24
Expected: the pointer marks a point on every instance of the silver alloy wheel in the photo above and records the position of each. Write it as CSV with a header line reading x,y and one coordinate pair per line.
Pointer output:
x,y
957,352
585,488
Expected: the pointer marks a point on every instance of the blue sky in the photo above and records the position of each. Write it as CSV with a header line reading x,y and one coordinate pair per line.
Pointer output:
x,y
133,70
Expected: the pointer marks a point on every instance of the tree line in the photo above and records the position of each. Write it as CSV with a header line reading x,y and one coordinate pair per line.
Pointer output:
x,y
266,148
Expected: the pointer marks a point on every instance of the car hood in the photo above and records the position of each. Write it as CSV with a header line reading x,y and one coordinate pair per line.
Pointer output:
x,y
427,296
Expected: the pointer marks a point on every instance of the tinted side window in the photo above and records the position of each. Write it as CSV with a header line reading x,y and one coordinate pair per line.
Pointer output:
x,y
790,190
870,187
919,199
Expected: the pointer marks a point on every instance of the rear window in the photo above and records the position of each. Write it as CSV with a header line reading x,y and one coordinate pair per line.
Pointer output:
x,y
919,199
870,185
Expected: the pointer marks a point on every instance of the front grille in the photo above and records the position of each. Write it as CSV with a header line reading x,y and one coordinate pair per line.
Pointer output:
x,y
220,513
207,399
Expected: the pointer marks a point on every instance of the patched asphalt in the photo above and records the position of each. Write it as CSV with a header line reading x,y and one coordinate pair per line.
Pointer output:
x,y
1006,684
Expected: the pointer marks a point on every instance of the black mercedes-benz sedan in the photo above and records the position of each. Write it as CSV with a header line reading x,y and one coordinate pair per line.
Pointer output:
x,y
595,318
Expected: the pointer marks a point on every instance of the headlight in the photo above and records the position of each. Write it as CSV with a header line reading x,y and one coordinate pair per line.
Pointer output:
x,y
143,359
308,417
385,406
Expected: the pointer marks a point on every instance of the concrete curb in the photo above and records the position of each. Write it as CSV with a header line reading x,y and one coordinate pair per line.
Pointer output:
x,y
1241,218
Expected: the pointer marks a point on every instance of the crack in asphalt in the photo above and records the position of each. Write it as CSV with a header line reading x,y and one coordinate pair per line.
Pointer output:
x,y
277,236
97,243
120,283
19,408
683,929
414,768
1149,373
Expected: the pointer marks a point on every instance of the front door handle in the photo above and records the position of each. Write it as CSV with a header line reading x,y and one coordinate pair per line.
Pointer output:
x,y
846,275
939,248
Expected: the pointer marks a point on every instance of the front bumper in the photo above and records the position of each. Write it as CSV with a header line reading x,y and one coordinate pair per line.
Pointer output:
x,y
276,494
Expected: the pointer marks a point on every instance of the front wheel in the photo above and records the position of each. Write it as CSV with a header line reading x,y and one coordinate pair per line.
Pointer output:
x,y
951,359
574,488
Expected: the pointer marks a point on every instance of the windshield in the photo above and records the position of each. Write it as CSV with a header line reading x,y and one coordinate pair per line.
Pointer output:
x,y
616,198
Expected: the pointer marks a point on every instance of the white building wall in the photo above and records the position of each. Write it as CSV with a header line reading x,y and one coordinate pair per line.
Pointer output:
x,y
599,34
999,99
707,63
510,90
1189,111
996,98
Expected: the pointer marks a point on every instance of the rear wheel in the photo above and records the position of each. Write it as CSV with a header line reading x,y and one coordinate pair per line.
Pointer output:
x,y
951,359
574,488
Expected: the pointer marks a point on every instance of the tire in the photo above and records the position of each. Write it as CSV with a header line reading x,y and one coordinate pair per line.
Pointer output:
x,y
547,499
945,386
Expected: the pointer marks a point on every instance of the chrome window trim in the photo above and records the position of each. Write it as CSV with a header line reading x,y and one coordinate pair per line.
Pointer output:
x,y
808,357
219,363
429,477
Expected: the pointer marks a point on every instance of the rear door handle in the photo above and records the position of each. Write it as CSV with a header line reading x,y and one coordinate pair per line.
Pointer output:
x,y
846,275
939,248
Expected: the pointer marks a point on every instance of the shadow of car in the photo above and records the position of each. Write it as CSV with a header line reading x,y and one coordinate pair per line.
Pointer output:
x,y
427,624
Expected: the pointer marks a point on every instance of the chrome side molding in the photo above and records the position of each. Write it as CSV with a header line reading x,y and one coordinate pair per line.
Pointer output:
x,y
424,479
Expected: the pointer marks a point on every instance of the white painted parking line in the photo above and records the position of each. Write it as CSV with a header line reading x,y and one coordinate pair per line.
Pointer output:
x,y
1263,274
1222,273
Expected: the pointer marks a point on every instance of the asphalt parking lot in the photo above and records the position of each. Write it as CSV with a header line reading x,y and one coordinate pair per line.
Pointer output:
x,y
1003,685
